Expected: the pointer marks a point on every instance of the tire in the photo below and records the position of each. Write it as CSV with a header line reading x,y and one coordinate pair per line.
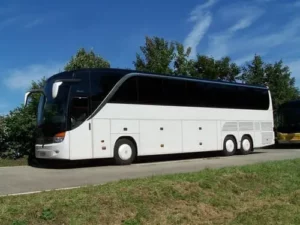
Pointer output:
x,y
124,152
246,145
229,146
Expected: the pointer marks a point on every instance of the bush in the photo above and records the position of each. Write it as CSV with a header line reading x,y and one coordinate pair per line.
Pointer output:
x,y
17,134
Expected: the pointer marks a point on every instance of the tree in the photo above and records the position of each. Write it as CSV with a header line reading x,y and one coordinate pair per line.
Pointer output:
x,y
19,127
254,72
182,64
227,71
276,76
84,59
281,84
209,68
157,55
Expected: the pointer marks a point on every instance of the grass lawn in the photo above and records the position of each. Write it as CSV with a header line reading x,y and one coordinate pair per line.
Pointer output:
x,y
267,193
11,162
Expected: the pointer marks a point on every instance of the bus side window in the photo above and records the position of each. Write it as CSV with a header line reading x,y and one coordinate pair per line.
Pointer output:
x,y
79,111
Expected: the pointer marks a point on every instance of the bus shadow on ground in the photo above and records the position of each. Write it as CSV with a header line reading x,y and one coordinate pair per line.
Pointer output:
x,y
50,164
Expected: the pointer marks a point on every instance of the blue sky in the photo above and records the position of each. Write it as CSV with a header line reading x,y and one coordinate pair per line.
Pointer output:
x,y
37,38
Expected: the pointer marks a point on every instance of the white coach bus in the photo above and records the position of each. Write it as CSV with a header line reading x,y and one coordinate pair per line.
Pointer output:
x,y
123,114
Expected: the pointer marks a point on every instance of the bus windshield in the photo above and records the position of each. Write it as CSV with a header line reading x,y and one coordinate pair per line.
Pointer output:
x,y
52,113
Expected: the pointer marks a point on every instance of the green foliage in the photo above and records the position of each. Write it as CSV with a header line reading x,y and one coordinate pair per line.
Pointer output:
x,y
205,67
47,214
227,70
19,222
84,59
210,68
19,127
182,64
157,56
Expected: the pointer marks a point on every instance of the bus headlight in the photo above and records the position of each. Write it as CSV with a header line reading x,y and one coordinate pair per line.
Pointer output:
x,y
59,137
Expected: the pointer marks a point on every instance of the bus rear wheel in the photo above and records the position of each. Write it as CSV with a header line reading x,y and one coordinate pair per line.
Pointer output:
x,y
124,152
246,145
229,146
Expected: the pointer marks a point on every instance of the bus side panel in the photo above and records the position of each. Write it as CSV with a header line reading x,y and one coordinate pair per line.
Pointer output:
x,y
199,136
101,138
246,128
124,129
257,135
81,142
229,128
160,137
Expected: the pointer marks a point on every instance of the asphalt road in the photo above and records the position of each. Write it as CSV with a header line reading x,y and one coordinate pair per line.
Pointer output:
x,y
26,179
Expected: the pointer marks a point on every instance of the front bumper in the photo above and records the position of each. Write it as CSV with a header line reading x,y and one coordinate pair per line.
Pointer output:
x,y
51,151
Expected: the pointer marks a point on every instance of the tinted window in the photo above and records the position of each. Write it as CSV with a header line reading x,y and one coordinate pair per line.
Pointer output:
x,y
223,96
250,98
165,91
174,92
79,108
79,111
101,85
127,92
150,90
82,87
226,96
195,94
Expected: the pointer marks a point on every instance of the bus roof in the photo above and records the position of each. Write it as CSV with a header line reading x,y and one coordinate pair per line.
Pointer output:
x,y
184,77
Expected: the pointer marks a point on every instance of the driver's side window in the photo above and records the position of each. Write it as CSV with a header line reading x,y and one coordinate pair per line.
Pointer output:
x,y
79,111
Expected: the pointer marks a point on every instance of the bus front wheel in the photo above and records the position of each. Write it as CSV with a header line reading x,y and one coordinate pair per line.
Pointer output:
x,y
124,152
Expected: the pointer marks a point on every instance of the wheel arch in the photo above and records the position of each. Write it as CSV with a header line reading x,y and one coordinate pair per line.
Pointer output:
x,y
250,137
231,135
132,139
247,135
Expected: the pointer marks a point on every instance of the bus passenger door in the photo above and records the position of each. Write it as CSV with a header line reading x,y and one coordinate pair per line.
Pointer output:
x,y
80,133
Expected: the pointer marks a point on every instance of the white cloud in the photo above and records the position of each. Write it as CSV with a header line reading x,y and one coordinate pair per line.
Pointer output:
x,y
7,22
202,20
242,17
195,15
247,58
287,34
244,59
34,23
261,40
21,78
296,4
244,22
195,36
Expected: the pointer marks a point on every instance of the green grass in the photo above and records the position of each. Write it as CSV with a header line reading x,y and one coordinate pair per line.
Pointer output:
x,y
267,193
11,162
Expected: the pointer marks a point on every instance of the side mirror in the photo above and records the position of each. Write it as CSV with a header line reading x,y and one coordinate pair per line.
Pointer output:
x,y
27,94
58,83
26,97
55,88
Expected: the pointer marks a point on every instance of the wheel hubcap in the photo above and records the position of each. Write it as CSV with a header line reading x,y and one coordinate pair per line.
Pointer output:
x,y
125,152
229,146
246,145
